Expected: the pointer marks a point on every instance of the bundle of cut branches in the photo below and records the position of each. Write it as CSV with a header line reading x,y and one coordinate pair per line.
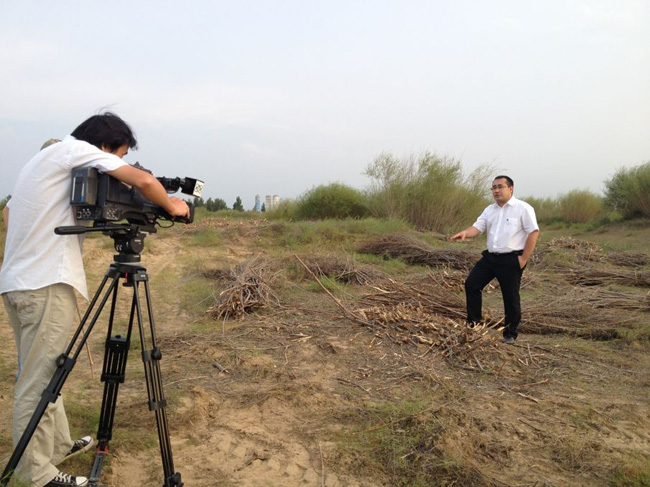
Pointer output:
x,y
584,250
628,259
427,293
590,276
342,269
414,251
412,323
572,312
572,243
248,290
606,299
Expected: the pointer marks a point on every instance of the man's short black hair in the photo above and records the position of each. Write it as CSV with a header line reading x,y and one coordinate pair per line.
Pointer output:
x,y
507,178
106,130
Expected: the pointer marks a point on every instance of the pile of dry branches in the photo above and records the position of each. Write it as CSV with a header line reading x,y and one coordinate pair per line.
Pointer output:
x,y
414,251
248,290
591,276
587,251
628,259
454,340
607,299
572,243
429,311
574,311
430,294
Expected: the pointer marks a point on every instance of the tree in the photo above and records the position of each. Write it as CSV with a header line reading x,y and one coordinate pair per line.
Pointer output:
x,y
215,205
219,204
198,202
3,202
238,206
263,209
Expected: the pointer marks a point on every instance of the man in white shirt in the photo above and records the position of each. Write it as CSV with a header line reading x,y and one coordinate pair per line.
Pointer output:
x,y
512,233
41,270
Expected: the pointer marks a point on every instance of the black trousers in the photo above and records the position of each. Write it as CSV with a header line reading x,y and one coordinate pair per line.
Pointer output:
x,y
505,267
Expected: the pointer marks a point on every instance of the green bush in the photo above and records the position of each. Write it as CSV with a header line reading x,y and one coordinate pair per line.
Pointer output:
x,y
628,191
335,200
580,206
430,192
546,209
286,210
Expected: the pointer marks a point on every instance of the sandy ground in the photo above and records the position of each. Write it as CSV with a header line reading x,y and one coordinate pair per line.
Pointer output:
x,y
268,400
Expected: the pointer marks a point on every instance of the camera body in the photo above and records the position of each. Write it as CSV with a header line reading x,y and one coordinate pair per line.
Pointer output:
x,y
101,198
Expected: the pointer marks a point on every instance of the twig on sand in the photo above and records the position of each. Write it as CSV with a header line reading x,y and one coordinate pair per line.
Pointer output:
x,y
348,314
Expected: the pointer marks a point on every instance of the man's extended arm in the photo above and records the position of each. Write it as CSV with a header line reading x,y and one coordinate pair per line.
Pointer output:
x,y
151,188
469,232
529,246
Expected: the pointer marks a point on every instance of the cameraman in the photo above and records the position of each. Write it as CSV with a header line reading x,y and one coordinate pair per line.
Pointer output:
x,y
41,271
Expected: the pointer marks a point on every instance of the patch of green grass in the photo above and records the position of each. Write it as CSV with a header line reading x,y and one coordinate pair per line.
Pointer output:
x,y
634,473
206,237
196,296
332,285
387,265
330,233
399,439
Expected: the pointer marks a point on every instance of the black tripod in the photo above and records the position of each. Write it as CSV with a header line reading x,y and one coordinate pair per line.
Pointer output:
x,y
129,242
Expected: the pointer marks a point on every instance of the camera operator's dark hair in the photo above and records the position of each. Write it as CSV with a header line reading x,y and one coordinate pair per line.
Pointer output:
x,y
106,130
507,178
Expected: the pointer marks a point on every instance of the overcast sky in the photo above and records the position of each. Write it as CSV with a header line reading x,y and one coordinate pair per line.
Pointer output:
x,y
276,97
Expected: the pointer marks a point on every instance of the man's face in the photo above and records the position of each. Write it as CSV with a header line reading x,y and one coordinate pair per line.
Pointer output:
x,y
119,152
501,191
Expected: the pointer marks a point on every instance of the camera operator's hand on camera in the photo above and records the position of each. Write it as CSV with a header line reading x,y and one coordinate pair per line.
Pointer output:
x,y
151,189
180,207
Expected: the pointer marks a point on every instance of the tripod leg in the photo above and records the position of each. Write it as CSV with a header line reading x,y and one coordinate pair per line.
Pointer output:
x,y
151,359
113,374
64,364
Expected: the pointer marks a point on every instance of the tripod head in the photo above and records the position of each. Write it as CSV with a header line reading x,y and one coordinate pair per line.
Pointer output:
x,y
128,238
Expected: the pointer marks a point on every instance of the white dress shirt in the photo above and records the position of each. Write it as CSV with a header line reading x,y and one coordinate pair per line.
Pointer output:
x,y
35,256
507,226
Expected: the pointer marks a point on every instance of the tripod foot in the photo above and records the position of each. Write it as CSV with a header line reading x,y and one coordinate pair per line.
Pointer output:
x,y
173,481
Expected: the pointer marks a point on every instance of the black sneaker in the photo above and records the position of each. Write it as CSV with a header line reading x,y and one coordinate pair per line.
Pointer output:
x,y
508,340
65,480
81,445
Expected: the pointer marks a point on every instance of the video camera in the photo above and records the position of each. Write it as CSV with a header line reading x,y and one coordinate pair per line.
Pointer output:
x,y
103,199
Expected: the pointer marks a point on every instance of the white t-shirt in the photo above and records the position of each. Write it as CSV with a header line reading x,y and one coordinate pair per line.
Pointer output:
x,y
507,226
35,256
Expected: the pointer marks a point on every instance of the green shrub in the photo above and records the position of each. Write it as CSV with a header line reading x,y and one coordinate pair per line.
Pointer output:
x,y
286,210
580,206
430,192
335,200
628,191
546,209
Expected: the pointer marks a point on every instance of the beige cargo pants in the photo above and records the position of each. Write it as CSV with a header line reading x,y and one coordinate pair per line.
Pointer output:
x,y
41,320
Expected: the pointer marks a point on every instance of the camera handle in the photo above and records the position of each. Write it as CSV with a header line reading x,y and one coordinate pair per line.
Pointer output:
x,y
114,368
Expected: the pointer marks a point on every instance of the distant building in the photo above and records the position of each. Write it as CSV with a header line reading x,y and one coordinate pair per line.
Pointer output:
x,y
272,202
258,203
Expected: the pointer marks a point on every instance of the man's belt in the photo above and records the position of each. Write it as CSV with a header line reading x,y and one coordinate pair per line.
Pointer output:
x,y
502,254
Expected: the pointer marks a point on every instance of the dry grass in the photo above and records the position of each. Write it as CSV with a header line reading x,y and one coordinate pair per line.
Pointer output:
x,y
414,251
342,269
